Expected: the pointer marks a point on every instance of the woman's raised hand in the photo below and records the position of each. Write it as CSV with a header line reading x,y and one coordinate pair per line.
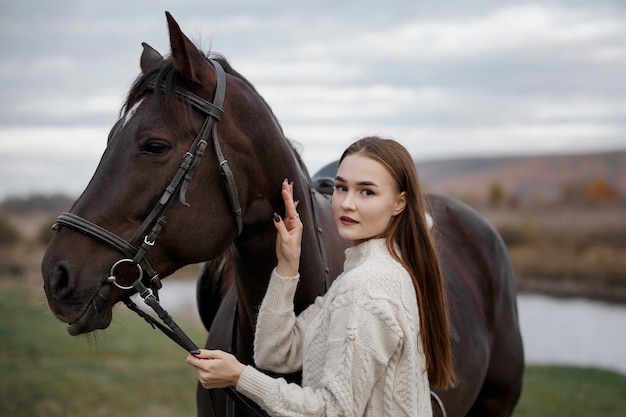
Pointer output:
x,y
289,236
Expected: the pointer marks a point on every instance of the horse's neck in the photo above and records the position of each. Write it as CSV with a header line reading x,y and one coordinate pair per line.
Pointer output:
x,y
255,252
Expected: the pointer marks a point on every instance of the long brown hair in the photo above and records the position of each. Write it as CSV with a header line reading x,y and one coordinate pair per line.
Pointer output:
x,y
411,233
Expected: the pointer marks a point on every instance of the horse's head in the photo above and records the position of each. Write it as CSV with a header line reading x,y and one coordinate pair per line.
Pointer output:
x,y
164,194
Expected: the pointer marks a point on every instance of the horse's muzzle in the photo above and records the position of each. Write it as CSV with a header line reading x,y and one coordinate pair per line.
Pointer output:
x,y
97,314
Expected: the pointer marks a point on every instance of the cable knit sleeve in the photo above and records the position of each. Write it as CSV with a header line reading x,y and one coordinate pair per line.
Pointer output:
x,y
363,336
279,333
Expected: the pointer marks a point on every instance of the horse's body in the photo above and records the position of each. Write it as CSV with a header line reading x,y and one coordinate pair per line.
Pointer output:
x,y
143,152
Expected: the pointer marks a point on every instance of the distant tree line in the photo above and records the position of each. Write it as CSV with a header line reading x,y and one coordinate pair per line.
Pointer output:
x,y
596,191
52,204
8,233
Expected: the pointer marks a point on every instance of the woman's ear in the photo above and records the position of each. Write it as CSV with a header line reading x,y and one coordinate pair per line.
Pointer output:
x,y
400,203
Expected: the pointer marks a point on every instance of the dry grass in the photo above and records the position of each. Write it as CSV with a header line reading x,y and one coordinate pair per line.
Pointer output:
x,y
566,250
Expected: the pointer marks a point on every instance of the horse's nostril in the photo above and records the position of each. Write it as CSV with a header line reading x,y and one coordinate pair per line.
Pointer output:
x,y
59,282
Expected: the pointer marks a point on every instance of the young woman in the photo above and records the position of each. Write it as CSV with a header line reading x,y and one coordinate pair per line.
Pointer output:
x,y
378,339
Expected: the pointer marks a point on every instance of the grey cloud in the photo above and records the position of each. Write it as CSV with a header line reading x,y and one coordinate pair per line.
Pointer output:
x,y
70,63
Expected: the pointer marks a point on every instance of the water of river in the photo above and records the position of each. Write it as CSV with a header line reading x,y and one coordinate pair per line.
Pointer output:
x,y
574,332
555,331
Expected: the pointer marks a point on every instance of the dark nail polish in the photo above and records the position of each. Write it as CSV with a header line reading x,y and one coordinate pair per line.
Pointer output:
x,y
276,218
195,352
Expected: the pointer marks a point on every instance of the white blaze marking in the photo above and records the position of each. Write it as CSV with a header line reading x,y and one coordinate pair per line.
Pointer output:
x,y
131,112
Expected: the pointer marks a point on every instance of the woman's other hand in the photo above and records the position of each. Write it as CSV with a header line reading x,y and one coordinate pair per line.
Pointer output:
x,y
215,368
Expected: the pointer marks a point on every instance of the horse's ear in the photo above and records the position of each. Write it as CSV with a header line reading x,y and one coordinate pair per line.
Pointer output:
x,y
188,60
150,58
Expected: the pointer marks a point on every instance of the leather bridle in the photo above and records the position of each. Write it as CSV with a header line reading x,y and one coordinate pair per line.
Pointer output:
x,y
151,227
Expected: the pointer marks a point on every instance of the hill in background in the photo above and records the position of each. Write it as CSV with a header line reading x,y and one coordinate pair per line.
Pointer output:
x,y
543,178
39,203
527,178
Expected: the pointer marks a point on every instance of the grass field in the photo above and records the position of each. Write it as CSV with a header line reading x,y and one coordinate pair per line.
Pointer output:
x,y
132,370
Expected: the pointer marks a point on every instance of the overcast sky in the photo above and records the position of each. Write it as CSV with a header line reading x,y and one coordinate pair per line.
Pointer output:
x,y
446,78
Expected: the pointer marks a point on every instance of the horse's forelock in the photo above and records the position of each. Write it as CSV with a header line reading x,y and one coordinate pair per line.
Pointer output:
x,y
168,78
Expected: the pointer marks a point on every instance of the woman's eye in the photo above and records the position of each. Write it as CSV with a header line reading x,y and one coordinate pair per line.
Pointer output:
x,y
339,187
154,148
367,192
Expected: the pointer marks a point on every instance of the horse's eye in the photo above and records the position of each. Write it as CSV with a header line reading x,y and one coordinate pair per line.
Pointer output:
x,y
155,148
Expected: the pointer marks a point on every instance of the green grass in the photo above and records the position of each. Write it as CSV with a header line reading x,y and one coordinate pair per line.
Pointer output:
x,y
128,370
554,391
132,370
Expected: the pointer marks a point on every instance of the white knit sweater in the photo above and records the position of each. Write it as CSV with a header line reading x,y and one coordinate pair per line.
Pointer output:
x,y
357,345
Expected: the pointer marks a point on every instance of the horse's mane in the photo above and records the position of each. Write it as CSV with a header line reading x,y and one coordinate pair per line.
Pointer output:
x,y
230,70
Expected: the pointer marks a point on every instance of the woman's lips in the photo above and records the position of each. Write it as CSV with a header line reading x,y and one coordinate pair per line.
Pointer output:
x,y
347,221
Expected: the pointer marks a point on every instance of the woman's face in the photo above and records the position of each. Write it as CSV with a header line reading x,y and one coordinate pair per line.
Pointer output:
x,y
365,198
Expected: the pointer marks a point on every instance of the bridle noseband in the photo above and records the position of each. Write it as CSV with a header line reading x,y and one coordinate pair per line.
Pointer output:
x,y
157,217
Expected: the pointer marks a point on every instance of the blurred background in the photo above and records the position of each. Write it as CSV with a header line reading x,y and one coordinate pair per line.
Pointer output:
x,y
517,108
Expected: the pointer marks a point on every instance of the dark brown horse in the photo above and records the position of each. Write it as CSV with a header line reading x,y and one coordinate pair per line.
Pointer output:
x,y
192,172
